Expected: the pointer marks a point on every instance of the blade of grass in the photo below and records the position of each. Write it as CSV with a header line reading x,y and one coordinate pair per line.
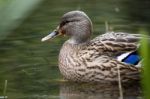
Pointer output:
x,y
5,89
13,12
119,83
146,69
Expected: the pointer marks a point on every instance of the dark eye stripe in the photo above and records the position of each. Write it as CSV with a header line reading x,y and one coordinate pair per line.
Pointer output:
x,y
64,23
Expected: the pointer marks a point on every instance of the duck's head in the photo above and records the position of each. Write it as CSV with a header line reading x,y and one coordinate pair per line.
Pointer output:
x,y
75,24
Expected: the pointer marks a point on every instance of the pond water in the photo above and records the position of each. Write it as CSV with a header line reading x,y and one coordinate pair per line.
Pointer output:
x,y
30,66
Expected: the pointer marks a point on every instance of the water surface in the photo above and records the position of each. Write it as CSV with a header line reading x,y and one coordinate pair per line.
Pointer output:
x,y
30,66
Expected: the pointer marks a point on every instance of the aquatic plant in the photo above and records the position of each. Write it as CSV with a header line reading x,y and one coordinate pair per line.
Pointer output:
x,y
146,68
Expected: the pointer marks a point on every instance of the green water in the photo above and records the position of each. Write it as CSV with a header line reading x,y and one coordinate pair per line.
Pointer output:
x,y
30,66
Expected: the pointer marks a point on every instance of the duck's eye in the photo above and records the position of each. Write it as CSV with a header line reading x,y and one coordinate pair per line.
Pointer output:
x,y
64,23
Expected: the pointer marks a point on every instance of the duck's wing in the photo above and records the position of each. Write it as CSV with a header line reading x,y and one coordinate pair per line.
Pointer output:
x,y
114,45
100,55
117,43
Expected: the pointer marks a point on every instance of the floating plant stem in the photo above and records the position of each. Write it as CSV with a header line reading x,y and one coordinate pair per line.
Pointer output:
x,y
106,26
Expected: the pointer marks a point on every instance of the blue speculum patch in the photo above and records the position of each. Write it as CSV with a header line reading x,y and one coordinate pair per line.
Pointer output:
x,y
132,58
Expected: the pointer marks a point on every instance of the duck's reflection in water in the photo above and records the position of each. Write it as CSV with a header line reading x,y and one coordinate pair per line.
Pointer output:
x,y
98,91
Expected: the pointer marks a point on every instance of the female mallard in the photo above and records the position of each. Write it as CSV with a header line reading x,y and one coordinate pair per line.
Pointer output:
x,y
84,60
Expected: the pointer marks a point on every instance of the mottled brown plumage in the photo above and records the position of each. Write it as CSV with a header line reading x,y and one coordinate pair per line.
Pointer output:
x,y
84,60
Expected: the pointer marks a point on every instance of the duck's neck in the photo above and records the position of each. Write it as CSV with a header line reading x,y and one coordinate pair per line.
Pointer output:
x,y
68,56
78,41
71,47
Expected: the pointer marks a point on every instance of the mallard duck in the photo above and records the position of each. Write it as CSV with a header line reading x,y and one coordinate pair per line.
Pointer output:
x,y
84,60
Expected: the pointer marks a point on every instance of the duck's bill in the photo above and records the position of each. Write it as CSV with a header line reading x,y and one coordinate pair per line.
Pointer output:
x,y
50,36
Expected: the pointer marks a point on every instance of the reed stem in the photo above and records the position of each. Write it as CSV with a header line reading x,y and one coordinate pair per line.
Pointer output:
x,y
5,89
